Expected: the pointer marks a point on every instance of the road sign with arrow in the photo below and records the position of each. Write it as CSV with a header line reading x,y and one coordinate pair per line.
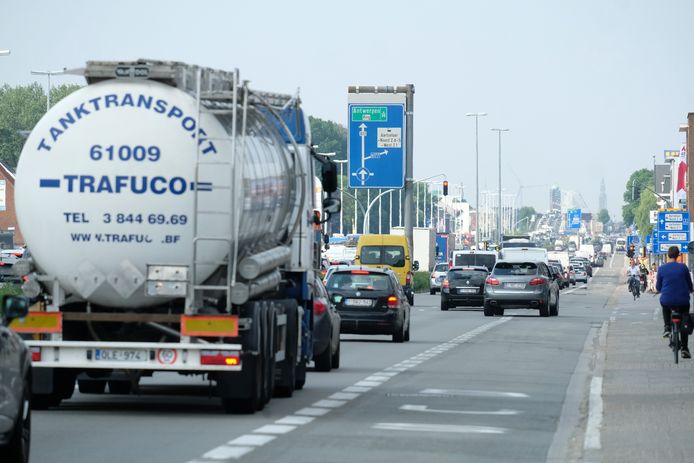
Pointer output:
x,y
376,145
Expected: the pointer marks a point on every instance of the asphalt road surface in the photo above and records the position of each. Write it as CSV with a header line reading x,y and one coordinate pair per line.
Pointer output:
x,y
466,388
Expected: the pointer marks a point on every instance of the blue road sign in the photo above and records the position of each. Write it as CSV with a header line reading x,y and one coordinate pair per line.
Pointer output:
x,y
376,145
573,219
673,230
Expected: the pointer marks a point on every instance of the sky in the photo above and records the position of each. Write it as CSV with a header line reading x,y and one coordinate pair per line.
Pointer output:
x,y
589,89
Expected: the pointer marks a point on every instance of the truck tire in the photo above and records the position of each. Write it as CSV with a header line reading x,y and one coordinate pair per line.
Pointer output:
x,y
17,449
286,369
323,360
269,357
91,386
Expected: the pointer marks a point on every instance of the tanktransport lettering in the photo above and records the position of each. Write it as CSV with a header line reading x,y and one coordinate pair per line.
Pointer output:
x,y
124,184
126,100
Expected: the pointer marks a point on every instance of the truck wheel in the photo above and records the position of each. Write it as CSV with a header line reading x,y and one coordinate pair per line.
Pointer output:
x,y
91,386
284,387
269,364
488,310
17,449
323,360
120,387
336,357
230,381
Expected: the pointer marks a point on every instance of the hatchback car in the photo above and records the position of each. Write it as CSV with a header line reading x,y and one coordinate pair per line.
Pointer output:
x,y
326,330
463,286
580,271
558,275
370,301
521,285
437,277
15,383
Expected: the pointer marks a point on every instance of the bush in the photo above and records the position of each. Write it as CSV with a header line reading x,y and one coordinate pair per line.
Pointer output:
x,y
421,281
10,289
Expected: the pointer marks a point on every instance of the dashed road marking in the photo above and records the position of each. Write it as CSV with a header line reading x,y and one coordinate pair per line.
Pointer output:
x,y
439,428
425,408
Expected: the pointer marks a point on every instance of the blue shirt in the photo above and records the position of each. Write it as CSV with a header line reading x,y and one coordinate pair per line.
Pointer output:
x,y
674,283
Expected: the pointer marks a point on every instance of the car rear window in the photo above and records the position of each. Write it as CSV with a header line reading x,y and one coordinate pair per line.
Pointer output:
x,y
351,281
515,268
441,268
487,260
475,277
393,256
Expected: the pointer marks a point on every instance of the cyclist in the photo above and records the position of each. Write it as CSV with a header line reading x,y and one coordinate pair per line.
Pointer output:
x,y
674,283
634,273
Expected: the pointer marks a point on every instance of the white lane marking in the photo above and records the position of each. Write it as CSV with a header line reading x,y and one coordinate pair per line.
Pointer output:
x,y
377,378
344,396
592,438
295,420
309,414
325,403
612,260
473,393
274,429
252,439
439,428
224,452
613,319
312,411
425,408
575,289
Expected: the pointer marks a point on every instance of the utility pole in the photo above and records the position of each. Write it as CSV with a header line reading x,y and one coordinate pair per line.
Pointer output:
x,y
409,165
498,216
477,175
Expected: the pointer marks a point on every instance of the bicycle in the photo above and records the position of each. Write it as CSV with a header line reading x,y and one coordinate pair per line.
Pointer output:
x,y
634,287
675,344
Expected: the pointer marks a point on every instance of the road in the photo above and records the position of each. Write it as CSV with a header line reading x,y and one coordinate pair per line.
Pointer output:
x,y
466,388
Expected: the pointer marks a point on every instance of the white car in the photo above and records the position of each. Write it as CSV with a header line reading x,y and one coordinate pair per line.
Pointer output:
x,y
580,270
437,277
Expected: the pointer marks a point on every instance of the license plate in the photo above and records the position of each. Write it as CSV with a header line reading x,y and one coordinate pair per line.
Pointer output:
x,y
359,302
515,285
120,355
467,290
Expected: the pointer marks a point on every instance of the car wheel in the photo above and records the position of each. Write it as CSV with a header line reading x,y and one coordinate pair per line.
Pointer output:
x,y
432,291
323,360
407,333
499,311
400,335
488,310
554,309
544,309
17,449
444,305
336,357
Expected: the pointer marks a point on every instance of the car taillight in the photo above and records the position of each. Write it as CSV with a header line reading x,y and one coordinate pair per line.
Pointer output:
x,y
35,354
492,281
450,264
408,278
319,306
17,254
219,357
445,283
393,302
537,282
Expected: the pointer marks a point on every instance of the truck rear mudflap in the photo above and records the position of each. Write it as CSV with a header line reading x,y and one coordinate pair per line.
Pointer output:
x,y
136,356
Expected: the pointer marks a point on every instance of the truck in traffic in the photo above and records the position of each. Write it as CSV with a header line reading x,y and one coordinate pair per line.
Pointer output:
x,y
173,227
423,247
445,244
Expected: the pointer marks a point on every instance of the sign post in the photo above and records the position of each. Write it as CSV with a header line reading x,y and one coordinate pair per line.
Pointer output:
x,y
673,230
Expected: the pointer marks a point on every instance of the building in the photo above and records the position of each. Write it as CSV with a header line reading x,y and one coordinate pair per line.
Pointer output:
x,y
489,208
554,198
8,216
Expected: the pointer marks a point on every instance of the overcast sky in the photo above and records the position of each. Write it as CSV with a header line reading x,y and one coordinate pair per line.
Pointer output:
x,y
589,88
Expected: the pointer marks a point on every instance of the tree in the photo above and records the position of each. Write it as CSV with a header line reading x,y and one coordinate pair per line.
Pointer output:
x,y
604,216
642,219
525,215
638,183
330,137
21,108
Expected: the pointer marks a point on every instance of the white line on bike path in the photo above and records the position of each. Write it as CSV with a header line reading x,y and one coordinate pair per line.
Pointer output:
x,y
245,444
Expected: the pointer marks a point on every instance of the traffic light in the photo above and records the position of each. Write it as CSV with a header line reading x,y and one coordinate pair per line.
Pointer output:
x,y
445,187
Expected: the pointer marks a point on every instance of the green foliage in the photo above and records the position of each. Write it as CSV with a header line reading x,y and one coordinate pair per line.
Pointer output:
x,y
21,108
525,214
647,203
604,216
329,136
9,289
637,184
421,281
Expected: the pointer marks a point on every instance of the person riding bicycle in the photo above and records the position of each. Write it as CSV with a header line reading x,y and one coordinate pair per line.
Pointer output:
x,y
674,283
634,273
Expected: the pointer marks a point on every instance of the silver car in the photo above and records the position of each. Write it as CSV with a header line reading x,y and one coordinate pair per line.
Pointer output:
x,y
524,285
437,277
580,270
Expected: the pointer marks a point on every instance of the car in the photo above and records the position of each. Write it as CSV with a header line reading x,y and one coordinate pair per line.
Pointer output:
x,y
558,275
15,383
471,257
392,251
9,257
570,275
437,277
527,285
580,271
370,301
330,270
326,330
463,286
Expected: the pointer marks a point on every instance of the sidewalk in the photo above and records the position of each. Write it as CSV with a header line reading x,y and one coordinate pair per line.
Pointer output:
x,y
648,401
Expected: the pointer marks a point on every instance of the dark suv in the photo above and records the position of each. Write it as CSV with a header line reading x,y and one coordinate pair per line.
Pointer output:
x,y
370,301
463,286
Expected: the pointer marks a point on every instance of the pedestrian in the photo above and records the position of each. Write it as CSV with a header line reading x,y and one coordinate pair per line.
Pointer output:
x,y
652,277
674,283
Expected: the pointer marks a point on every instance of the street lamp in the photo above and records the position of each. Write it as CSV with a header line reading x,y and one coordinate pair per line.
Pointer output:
x,y
49,74
477,172
341,161
498,217
4,52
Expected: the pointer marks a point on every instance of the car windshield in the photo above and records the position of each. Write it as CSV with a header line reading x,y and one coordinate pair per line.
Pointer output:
x,y
475,277
515,268
441,268
361,281
393,256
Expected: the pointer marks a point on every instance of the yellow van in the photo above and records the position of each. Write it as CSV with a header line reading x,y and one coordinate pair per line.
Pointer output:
x,y
391,251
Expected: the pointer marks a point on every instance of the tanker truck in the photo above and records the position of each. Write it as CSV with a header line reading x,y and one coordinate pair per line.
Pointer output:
x,y
172,225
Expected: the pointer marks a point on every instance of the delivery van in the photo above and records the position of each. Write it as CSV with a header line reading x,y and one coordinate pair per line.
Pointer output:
x,y
391,251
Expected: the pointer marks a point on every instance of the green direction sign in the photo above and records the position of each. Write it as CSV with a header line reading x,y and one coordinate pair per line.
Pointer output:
x,y
369,113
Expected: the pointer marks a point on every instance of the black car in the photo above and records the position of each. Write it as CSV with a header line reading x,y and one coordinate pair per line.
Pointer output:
x,y
370,301
326,330
558,275
463,287
15,385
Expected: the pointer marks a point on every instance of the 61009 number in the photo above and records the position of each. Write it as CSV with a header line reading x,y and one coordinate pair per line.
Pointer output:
x,y
125,153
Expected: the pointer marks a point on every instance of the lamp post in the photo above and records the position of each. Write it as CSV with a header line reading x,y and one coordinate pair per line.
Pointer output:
x,y
498,216
48,74
341,162
477,172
